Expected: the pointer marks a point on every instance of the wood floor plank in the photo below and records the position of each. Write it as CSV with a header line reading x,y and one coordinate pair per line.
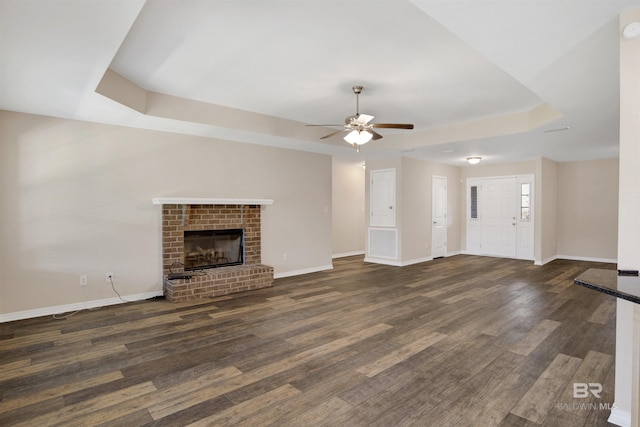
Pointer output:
x,y
240,413
97,351
539,400
7,405
593,370
400,355
66,415
605,311
493,411
535,337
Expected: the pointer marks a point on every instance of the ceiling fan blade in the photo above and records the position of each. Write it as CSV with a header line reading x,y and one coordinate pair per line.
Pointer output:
x,y
363,119
392,125
332,133
376,135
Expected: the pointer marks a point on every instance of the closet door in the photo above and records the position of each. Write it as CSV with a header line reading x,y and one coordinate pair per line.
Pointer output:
x,y
439,217
383,198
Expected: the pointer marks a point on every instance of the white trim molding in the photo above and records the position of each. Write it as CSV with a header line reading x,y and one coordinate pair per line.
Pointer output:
x,y
346,254
415,261
619,418
383,261
68,308
302,271
591,259
208,201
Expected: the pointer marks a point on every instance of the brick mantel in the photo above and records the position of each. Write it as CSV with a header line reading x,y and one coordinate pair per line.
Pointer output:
x,y
180,216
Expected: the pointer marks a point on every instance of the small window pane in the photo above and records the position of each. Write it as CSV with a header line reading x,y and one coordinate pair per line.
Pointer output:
x,y
525,201
474,202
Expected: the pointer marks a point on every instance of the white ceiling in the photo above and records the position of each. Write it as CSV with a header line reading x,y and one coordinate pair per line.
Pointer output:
x,y
473,76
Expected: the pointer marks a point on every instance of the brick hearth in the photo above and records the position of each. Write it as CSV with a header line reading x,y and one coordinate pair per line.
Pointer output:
x,y
215,281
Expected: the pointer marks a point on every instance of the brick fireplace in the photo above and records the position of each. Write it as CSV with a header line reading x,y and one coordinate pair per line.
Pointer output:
x,y
215,214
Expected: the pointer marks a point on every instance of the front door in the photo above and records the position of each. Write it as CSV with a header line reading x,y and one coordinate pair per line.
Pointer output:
x,y
439,217
499,222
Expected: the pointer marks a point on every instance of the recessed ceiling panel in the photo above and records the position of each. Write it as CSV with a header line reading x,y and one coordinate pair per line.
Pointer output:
x,y
298,60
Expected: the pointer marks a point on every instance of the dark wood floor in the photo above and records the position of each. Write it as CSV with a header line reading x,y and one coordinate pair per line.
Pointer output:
x,y
460,341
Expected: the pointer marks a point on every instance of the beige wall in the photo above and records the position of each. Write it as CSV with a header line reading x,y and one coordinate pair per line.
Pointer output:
x,y
413,205
568,221
546,210
348,215
417,208
505,169
588,209
76,199
562,191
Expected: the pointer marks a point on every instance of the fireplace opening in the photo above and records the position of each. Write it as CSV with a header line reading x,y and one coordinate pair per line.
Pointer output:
x,y
213,248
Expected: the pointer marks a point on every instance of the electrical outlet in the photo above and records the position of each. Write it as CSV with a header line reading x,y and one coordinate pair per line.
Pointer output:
x,y
284,257
108,277
83,280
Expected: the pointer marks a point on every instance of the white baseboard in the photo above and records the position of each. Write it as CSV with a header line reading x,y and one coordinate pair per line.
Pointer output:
x,y
346,254
620,418
302,271
415,261
383,261
67,308
548,260
405,263
576,258
581,258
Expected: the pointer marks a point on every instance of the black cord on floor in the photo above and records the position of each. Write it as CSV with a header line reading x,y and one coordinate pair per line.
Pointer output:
x,y
113,286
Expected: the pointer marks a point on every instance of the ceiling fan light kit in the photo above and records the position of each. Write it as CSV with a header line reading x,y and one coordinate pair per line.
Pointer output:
x,y
358,137
360,127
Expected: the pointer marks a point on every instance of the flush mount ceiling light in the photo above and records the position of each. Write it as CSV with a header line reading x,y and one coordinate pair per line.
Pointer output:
x,y
474,160
631,31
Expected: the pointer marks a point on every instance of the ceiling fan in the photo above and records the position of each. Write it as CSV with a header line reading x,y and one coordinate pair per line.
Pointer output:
x,y
360,127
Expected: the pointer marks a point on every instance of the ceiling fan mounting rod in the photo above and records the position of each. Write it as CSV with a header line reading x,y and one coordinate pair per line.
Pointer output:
x,y
357,90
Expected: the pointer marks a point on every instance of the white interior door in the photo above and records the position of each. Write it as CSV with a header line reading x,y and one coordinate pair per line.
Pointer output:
x,y
439,216
499,219
383,198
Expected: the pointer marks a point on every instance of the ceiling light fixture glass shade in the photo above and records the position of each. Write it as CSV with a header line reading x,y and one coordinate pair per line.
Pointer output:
x,y
474,160
358,137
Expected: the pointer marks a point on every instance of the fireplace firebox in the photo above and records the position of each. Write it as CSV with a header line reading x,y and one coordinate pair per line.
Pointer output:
x,y
213,248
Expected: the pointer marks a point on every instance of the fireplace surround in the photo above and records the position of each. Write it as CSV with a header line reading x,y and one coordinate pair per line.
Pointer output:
x,y
192,217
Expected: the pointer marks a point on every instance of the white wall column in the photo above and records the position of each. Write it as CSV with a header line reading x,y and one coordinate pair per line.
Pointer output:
x,y
628,314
